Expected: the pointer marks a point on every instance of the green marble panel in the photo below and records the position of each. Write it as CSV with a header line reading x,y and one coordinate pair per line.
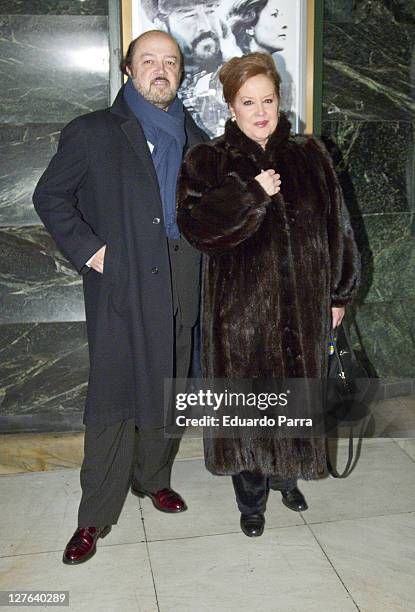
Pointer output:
x,y
339,10
25,151
43,374
402,11
387,245
387,332
54,67
36,282
375,163
54,7
367,71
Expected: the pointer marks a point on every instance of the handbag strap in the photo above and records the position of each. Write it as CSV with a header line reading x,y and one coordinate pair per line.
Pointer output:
x,y
347,469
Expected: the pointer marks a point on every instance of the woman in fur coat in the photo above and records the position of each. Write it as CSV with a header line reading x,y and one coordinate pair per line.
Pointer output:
x,y
266,208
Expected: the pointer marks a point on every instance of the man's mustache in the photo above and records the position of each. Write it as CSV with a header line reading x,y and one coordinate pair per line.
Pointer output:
x,y
204,36
160,78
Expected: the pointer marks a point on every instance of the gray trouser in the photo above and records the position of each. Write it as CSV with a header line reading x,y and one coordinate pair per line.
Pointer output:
x,y
116,455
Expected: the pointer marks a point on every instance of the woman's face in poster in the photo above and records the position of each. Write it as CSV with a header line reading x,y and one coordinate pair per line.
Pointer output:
x,y
271,29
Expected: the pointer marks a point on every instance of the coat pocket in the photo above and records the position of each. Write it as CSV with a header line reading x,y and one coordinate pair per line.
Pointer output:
x,y
111,263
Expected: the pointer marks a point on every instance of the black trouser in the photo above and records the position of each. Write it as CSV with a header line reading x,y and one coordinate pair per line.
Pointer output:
x,y
116,455
251,490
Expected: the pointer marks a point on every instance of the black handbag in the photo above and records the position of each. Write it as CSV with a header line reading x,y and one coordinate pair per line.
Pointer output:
x,y
347,386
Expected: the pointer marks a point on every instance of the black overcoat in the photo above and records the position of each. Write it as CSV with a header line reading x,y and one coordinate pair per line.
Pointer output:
x,y
101,188
274,268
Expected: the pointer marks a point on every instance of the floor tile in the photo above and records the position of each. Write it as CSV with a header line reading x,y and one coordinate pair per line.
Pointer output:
x,y
211,506
355,553
375,559
39,513
394,417
117,578
383,482
408,445
284,570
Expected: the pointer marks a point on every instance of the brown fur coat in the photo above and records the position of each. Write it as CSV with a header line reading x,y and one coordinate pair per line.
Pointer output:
x,y
275,267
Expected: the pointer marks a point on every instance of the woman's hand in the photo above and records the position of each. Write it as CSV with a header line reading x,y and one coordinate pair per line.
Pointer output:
x,y
269,181
337,315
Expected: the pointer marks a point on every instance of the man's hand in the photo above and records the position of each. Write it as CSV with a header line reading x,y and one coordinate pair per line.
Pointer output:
x,y
337,315
269,181
97,262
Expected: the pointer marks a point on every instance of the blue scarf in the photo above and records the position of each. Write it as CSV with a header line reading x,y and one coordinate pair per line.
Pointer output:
x,y
165,130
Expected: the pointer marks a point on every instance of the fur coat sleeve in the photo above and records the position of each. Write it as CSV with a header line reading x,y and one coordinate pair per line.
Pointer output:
x,y
217,209
344,255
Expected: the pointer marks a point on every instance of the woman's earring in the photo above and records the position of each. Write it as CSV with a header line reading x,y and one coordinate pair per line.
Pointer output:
x,y
233,118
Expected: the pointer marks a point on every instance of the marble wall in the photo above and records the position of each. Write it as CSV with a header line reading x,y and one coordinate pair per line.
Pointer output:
x,y
55,66
368,122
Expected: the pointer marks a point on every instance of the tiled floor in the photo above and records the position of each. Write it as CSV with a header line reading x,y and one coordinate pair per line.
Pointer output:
x,y
354,549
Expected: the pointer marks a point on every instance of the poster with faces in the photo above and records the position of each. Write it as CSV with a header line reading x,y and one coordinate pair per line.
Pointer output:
x,y
210,32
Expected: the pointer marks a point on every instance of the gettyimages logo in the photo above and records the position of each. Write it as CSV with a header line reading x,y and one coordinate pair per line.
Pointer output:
x,y
216,401
243,407
290,408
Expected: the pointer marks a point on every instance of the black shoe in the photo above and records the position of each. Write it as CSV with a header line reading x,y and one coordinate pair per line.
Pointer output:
x,y
252,525
294,500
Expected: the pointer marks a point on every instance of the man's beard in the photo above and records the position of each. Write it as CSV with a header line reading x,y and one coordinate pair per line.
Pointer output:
x,y
162,99
206,47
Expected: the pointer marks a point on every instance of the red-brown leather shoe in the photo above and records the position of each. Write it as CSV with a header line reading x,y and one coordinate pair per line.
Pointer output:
x,y
82,545
165,500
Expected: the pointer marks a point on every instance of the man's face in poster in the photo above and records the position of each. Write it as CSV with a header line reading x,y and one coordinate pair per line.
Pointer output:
x,y
198,30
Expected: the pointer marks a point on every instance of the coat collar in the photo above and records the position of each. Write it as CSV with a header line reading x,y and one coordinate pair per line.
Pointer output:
x,y
135,134
194,134
236,138
120,107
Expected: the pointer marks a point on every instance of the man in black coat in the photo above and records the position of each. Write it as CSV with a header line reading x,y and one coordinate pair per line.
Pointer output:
x,y
108,199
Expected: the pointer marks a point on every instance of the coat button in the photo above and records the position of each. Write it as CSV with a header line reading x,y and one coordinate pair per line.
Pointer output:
x,y
176,247
154,270
156,220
